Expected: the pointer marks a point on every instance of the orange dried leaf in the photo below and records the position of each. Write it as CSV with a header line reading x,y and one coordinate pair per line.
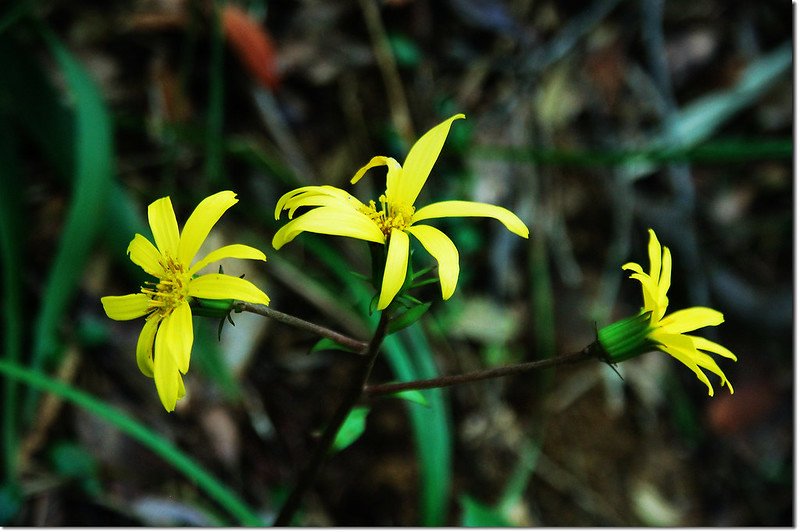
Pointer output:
x,y
252,44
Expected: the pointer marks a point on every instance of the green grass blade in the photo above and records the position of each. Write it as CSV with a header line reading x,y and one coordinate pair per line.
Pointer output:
x,y
411,358
11,228
162,447
216,87
93,173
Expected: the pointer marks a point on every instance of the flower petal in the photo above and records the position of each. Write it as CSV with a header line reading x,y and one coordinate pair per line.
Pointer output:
x,y
689,319
713,347
145,255
337,221
419,162
221,286
200,222
447,209
314,195
144,346
178,332
126,307
396,265
378,160
654,251
682,349
234,251
663,285
444,251
165,372
164,226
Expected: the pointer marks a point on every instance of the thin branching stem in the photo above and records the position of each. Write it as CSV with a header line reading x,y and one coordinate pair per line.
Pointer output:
x,y
349,400
357,346
586,353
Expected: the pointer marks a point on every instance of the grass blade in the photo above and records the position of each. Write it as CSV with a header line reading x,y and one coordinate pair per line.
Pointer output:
x,y
93,172
162,447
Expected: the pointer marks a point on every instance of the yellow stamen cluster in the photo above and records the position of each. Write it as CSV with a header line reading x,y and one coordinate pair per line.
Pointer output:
x,y
171,290
391,216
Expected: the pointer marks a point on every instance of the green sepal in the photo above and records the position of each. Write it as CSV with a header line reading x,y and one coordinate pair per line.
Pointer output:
x,y
626,338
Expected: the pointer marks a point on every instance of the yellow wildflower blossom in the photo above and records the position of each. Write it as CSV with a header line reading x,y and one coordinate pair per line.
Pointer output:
x,y
165,343
336,212
654,329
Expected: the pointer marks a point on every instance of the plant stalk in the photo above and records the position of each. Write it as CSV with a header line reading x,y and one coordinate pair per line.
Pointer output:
x,y
357,346
351,397
588,352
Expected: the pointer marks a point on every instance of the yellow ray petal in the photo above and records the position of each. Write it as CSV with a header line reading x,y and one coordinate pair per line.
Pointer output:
x,y
648,293
396,265
444,251
448,209
164,226
293,199
144,346
689,319
165,373
178,332
713,347
663,285
378,160
200,222
337,221
126,307
233,251
682,349
221,286
145,255
419,162
654,251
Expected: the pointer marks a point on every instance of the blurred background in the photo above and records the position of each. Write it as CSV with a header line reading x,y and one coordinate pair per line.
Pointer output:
x,y
593,121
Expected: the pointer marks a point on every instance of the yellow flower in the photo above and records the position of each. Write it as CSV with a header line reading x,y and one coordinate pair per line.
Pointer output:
x,y
165,343
335,212
652,329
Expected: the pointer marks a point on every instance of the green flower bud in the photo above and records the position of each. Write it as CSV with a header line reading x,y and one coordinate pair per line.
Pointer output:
x,y
626,338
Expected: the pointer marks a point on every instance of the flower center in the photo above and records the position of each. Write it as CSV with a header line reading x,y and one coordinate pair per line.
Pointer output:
x,y
391,216
171,290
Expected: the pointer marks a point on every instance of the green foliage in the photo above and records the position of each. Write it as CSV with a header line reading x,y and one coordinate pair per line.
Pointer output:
x,y
352,428
407,317
74,462
475,514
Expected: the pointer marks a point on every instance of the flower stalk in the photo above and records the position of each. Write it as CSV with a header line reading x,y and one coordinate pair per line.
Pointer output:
x,y
349,400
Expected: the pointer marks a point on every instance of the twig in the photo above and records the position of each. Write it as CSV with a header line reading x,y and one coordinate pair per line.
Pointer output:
x,y
351,397
357,346
588,352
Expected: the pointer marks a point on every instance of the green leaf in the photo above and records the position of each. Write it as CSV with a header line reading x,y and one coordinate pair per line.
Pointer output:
x,y
10,503
352,428
326,344
475,514
92,175
413,396
75,462
407,318
141,433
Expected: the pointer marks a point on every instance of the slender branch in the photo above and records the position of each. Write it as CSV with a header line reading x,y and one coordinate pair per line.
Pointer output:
x,y
351,397
354,345
586,353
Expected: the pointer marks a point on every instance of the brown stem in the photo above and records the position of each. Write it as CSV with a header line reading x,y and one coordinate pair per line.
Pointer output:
x,y
351,397
440,382
357,346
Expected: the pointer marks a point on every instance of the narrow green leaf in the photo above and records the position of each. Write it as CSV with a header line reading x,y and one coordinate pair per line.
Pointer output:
x,y
326,344
93,173
407,318
12,228
156,443
352,428
413,396
72,461
475,514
